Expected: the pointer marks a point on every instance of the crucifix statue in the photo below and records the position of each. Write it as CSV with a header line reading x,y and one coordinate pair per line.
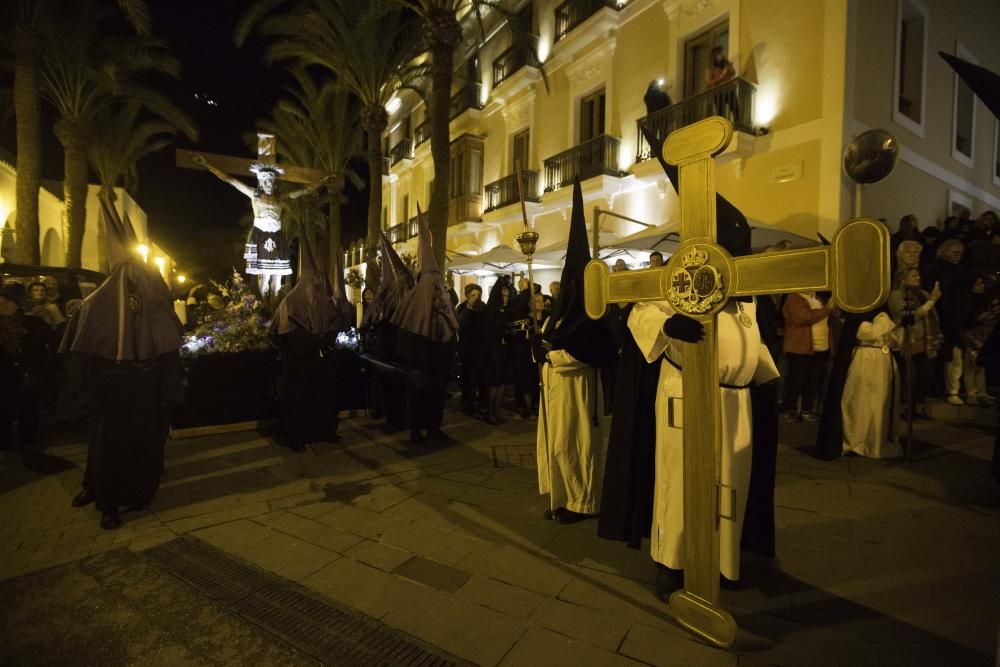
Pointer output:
x,y
698,283
266,252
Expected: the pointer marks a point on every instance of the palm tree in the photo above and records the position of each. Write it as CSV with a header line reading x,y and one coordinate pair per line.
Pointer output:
x,y
123,135
369,49
317,126
85,71
442,34
25,26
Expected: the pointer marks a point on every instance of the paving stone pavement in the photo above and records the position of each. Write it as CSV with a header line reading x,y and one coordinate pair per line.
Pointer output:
x,y
879,563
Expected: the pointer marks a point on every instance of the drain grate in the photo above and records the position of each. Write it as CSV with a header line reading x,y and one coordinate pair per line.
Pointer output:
x,y
514,456
331,633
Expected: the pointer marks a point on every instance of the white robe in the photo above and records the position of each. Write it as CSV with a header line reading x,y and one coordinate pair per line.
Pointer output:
x,y
871,392
571,449
743,359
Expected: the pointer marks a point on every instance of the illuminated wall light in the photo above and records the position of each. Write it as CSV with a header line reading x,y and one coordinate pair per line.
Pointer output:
x,y
161,264
392,106
181,279
144,251
544,46
766,106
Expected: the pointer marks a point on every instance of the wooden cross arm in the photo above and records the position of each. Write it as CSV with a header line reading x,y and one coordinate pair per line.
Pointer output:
x,y
855,268
239,166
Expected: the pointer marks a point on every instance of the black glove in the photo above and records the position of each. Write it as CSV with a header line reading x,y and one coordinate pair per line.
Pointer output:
x,y
539,346
907,321
682,327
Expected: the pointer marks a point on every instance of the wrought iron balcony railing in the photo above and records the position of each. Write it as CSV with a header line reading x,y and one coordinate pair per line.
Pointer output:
x,y
398,233
572,13
591,158
504,191
510,61
422,133
402,151
466,98
733,100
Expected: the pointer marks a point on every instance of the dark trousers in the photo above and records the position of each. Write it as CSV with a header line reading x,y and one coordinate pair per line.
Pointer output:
x,y
923,376
803,379
472,395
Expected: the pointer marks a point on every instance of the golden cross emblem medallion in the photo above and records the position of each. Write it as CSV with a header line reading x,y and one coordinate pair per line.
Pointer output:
x,y
698,281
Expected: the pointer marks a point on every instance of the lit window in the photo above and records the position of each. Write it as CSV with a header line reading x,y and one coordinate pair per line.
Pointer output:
x,y
963,114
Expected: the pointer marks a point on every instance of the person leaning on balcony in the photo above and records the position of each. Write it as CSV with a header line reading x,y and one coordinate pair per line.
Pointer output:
x,y
807,347
720,69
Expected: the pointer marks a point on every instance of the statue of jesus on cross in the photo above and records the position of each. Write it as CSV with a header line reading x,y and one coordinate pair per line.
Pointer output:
x,y
266,251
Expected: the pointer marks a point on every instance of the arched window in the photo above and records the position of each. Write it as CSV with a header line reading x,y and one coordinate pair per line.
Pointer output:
x,y
7,239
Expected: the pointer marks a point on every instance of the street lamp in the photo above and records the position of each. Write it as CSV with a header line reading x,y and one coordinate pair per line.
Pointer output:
x,y
144,251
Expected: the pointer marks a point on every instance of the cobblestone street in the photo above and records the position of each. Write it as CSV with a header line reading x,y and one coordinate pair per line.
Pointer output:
x,y
879,563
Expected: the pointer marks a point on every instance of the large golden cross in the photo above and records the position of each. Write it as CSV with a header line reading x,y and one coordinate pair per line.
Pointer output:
x,y
239,166
697,281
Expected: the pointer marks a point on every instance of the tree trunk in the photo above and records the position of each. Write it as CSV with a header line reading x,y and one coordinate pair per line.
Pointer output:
x,y
27,112
374,120
445,33
336,249
75,145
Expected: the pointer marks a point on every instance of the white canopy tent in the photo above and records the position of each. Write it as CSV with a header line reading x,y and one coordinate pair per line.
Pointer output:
x,y
501,259
665,238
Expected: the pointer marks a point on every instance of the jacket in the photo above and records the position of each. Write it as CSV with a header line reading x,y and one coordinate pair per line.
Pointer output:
x,y
799,318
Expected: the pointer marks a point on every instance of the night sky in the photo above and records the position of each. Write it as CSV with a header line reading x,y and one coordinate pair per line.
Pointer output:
x,y
195,217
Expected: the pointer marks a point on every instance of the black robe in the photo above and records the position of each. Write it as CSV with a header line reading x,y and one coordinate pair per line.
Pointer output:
x,y
308,392
433,361
129,405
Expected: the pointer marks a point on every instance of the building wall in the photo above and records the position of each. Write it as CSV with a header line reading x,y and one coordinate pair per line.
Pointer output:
x,y
50,213
790,175
928,173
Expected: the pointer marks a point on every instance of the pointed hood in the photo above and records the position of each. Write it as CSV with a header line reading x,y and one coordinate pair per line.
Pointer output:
x,y
130,317
569,327
984,83
426,309
309,304
567,312
396,282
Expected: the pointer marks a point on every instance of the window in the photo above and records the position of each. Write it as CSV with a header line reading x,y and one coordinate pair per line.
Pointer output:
x,y
959,204
592,116
911,65
385,217
406,208
457,186
698,56
519,151
963,114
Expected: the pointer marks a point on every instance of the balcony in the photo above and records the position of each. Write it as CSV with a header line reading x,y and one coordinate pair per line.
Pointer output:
x,y
596,157
398,233
401,151
733,100
510,61
466,98
572,13
504,192
422,133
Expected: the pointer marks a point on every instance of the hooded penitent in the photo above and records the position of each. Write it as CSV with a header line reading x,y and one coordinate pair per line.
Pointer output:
x,y
309,305
426,309
130,317
397,281
569,328
984,83
346,313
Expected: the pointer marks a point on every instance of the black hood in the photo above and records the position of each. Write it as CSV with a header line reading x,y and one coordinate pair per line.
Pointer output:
x,y
984,83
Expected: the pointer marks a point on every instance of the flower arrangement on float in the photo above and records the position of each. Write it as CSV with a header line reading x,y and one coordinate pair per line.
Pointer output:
x,y
241,325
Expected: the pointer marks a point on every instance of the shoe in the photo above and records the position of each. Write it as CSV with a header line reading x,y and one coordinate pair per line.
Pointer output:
x,y
972,400
987,401
954,399
809,416
416,437
548,515
492,421
111,520
793,417
920,412
567,517
667,581
525,414
438,434
728,584
84,498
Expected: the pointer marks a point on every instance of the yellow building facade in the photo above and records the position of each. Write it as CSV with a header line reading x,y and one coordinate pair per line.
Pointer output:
x,y
810,76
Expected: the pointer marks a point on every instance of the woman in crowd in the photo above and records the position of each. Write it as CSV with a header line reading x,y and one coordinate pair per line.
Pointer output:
x,y
37,304
980,325
496,361
925,334
953,310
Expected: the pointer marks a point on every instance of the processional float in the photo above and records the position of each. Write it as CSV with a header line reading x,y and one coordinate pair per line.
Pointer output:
x,y
698,281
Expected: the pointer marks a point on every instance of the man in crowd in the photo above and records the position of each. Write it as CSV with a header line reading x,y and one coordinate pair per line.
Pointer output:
x,y
471,343
655,259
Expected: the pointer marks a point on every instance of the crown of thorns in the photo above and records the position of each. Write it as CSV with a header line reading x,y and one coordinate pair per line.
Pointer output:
x,y
261,167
